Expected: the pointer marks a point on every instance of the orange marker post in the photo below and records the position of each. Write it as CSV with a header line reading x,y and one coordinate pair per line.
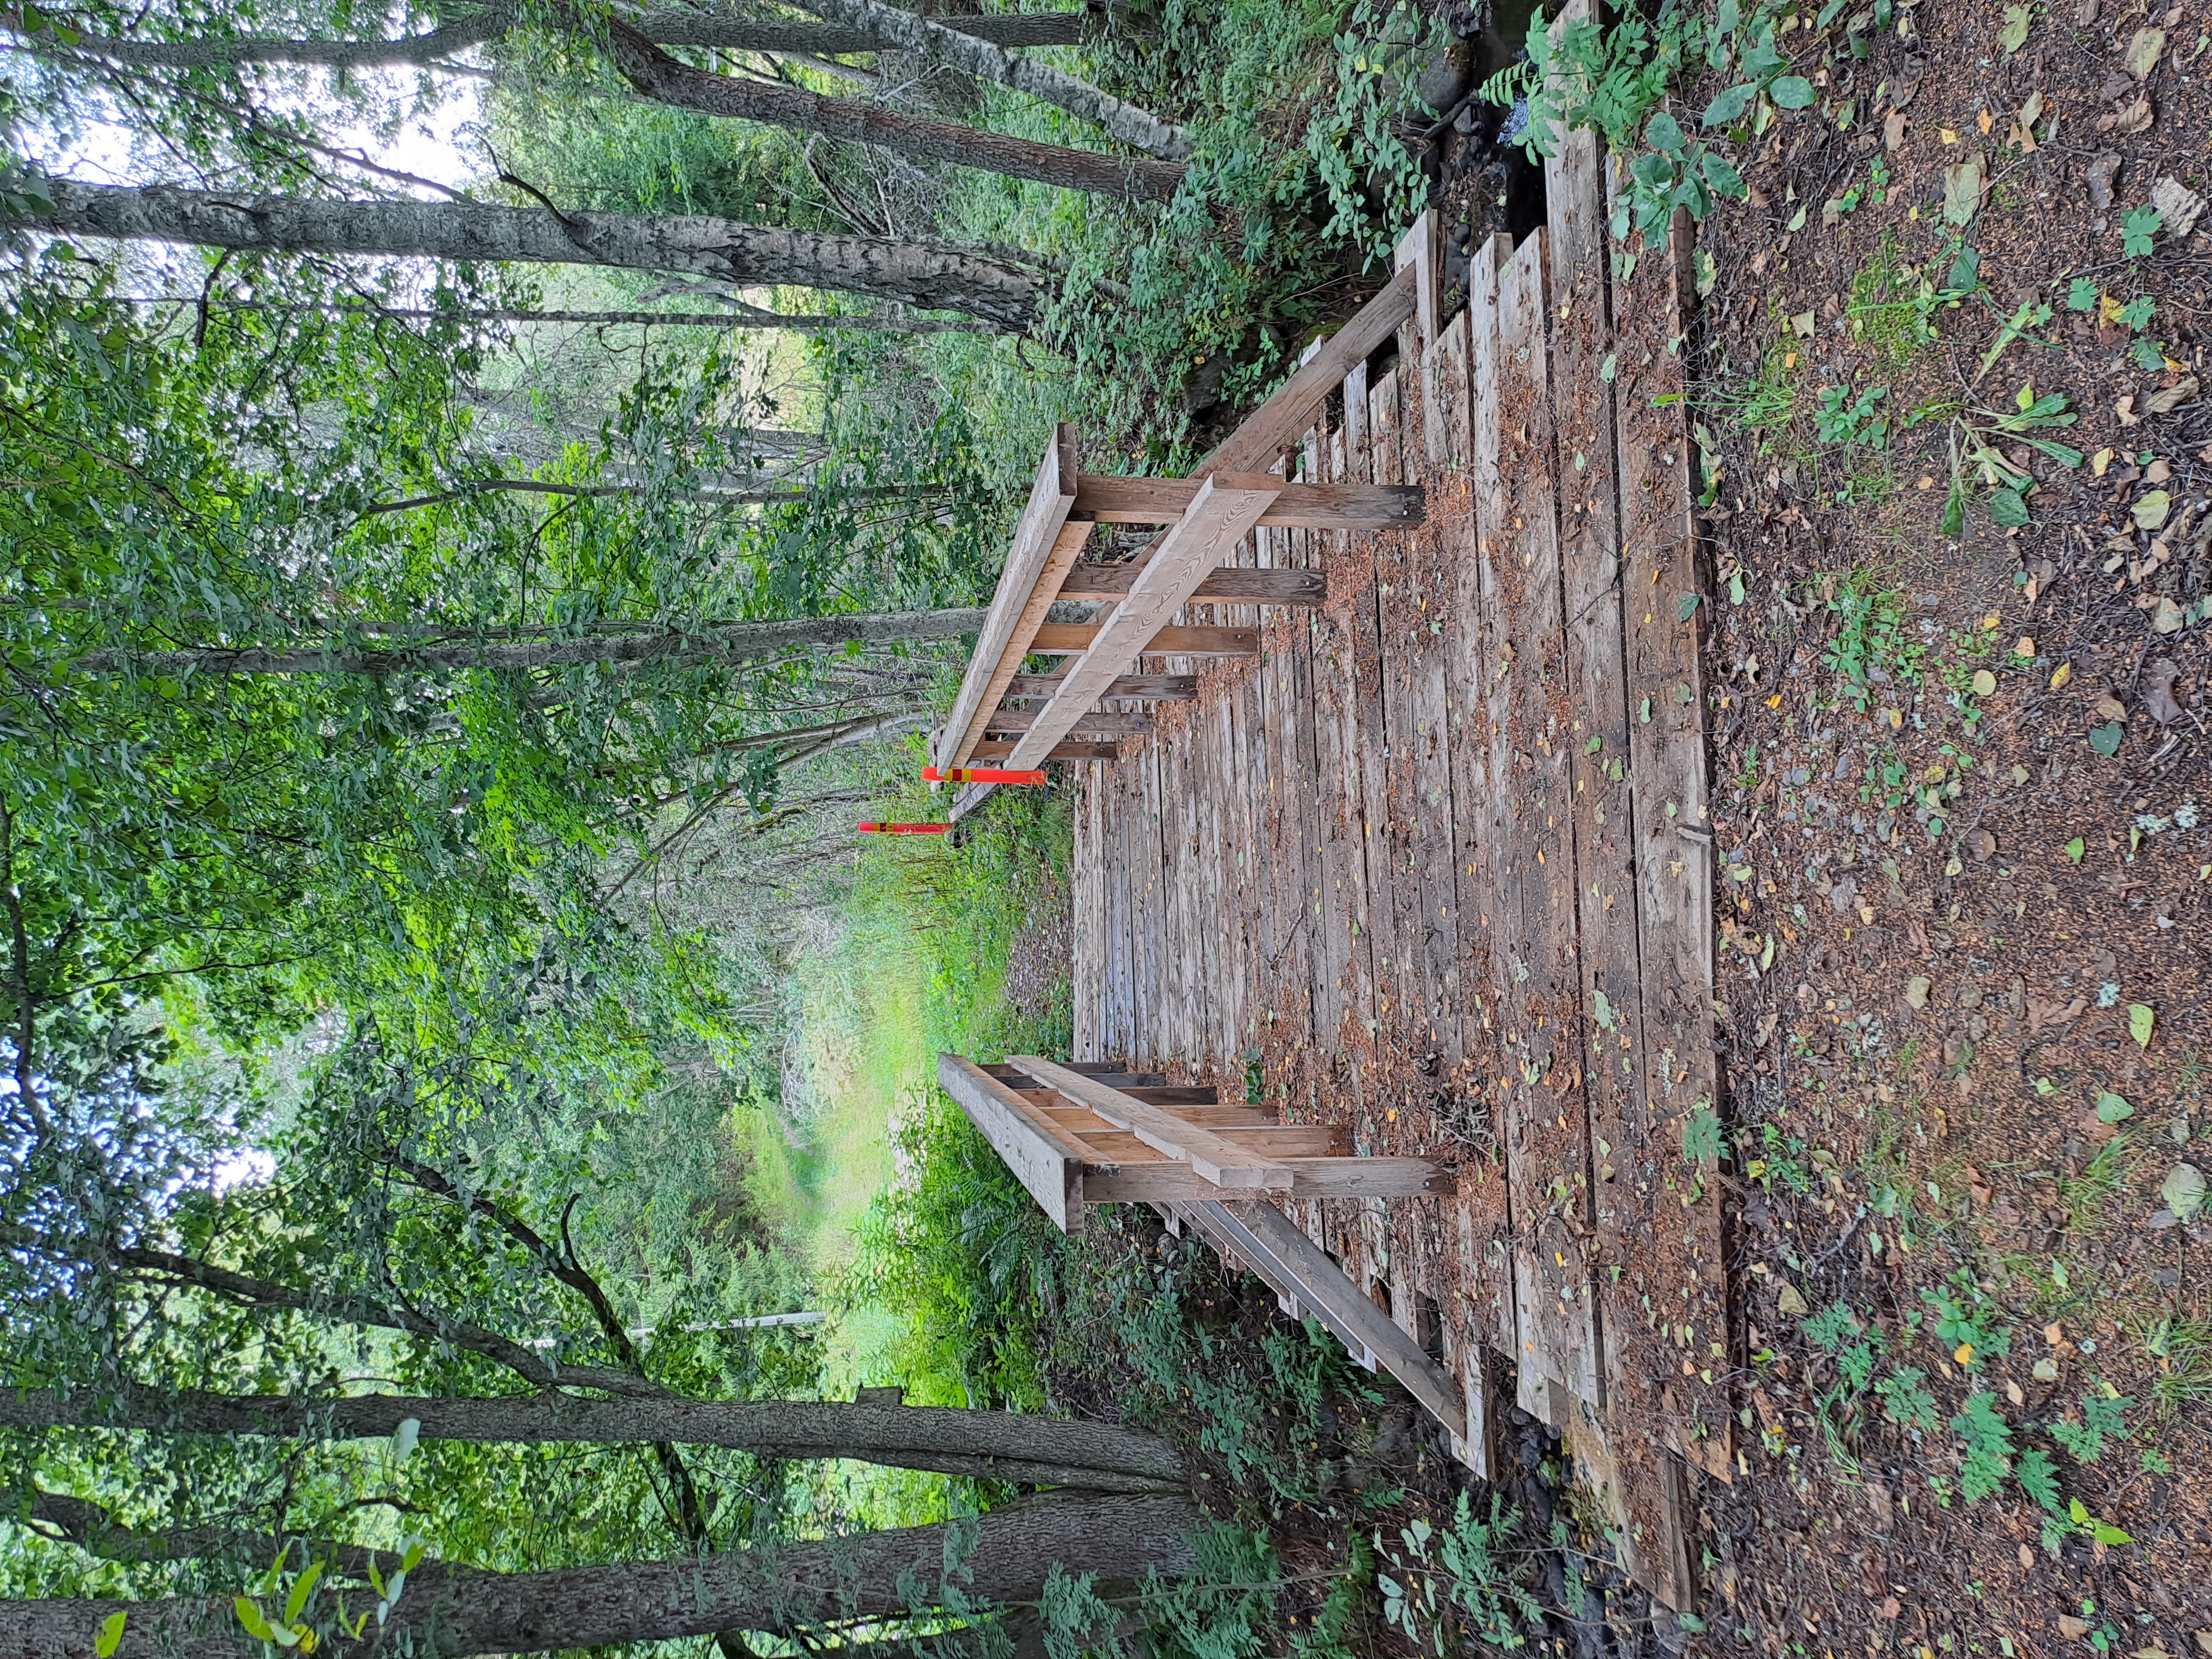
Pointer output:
x,y
904,828
979,774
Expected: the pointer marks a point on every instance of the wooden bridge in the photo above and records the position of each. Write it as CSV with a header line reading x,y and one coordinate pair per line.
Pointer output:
x,y
1404,804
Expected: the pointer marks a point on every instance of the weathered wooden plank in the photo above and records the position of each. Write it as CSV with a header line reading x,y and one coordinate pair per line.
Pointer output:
x,y
1268,1232
1152,864
1176,858
1142,688
1437,627
1000,721
1217,519
1312,506
1024,593
1218,1160
1401,963
1073,638
1085,946
1665,605
1546,1127
1046,1161
1105,582
1486,1205
1123,1031
1276,425
997,749
1171,1179
1366,744
1283,1140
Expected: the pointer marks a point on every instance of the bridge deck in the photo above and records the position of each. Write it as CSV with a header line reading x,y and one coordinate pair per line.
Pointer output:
x,y
1433,865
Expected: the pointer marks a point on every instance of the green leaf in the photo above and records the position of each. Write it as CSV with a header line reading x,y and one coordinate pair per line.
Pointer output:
x,y
2106,1532
1729,105
2008,509
2140,1019
2105,738
2076,847
1664,133
2139,230
2183,1191
110,1637
1686,606
2038,1478
2113,1109
2014,35
249,1614
1792,92
303,1588
1702,1142
1720,173
2082,294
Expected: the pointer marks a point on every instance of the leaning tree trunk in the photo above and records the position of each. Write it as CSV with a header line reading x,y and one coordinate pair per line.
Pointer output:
x,y
668,28
795,1587
989,1446
715,642
950,44
666,80
916,273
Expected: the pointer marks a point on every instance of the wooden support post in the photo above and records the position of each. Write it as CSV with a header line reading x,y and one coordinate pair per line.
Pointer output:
x,y
1047,1160
1220,1161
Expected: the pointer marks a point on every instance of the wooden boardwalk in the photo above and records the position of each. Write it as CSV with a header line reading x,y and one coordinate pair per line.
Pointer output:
x,y
1433,865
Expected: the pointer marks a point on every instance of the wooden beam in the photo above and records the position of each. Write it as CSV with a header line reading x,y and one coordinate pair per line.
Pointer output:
x,y
1047,1160
1218,519
1041,556
1219,1160
993,748
1232,582
1073,639
1142,688
1170,1179
1097,721
1263,1234
1296,507
1278,423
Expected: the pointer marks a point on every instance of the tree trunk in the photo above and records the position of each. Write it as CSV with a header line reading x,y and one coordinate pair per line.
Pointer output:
x,y
722,641
670,28
916,273
956,49
987,1445
662,78
873,322
793,1587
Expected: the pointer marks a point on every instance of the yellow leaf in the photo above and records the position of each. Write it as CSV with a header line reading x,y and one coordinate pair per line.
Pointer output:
x,y
1964,1353
2061,674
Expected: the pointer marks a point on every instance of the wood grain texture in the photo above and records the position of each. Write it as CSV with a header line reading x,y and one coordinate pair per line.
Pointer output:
x,y
1305,506
1044,1158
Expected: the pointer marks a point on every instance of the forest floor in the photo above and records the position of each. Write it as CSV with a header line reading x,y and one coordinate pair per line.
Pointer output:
x,y
1960,784
1948,372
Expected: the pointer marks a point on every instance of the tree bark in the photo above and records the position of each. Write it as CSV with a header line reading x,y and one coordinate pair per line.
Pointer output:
x,y
670,28
724,641
1118,1539
956,49
871,321
984,1444
915,273
660,77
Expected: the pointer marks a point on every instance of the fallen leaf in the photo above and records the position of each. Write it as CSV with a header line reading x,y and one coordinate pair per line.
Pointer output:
x,y
2101,173
1962,190
2183,1191
1915,991
1803,322
1985,683
2014,35
1985,121
2166,617
2014,1393
2144,51
2151,508
2073,1629
2099,461
2113,1109
2111,707
2125,410
2105,739
2178,204
2022,133
2130,118
2045,1370
1789,1302
2061,674
2025,645
1982,844
2141,1020
1892,130
2158,691
2171,397
1891,1607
